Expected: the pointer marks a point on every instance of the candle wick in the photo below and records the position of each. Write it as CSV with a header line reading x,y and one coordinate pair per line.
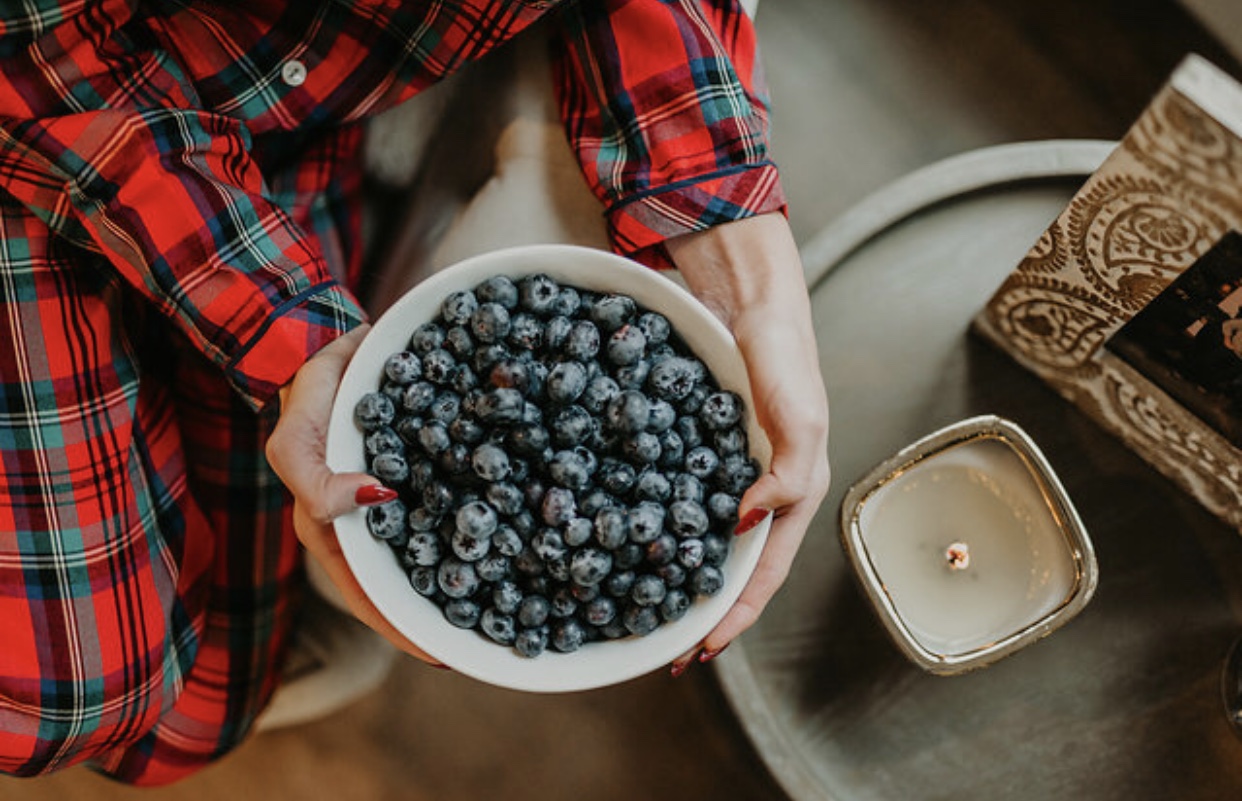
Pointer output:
x,y
957,556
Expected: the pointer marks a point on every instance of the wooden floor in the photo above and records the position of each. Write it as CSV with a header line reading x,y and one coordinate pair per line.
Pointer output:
x,y
865,90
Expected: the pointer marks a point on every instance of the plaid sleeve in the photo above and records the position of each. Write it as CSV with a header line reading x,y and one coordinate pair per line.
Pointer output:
x,y
666,107
107,145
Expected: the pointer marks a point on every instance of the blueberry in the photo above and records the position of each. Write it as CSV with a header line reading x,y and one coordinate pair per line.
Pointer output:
x,y
499,626
690,552
672,574
612,527
569,469
383,440
455,460
423,520
538,293
571,426
599,391
642,448
632,376
672,450
493,567
437,498
438,366
566,381
655,327
403,368
628,412
500,406
532,642
568,636
578,531
694,399
418,396
672,379
445,407
735,474
490,323
558,506
593,500
568,302
534,490
476,519
423,580
687,518
589,566
462,613
721,410
706,580
458,307
626,346
466,430
613,311
506,597
426,338
630,555
498,289
457,579
675,605
434,438
646,521
490,462
562,603
555,331
463,379
730,440
487,356
549,545
616,476
504,497
470,548
525,332
387,520
374,410
687,488
558,567
426,548
640,620
619,583
582,342
528,439
507,541
459,342
523,523
392,391
722,507
648,590
701,462
661,416
690,430
652,485
534,611
600,611
528,562
662,550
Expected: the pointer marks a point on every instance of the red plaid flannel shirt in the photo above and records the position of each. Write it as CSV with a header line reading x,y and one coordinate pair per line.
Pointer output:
x,y
178,231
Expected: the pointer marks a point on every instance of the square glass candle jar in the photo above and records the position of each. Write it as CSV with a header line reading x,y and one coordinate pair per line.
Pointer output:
x,y
968,546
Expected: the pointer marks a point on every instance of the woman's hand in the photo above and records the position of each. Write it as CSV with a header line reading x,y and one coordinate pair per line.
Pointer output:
x,y
750,275
297,452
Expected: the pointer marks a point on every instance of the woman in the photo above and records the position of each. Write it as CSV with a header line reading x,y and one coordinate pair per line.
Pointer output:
x,y
179,259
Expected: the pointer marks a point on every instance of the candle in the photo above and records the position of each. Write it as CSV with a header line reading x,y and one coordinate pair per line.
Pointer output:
x,y
968,545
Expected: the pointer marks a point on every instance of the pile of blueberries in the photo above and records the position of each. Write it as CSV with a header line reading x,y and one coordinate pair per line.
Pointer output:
x,y
567,469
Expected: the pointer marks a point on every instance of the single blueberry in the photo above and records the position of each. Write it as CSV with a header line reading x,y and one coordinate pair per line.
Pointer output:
x,y
613,311
735,474
437,498
507,541
500,406
423,520
537,293
672,450
454,461
462,613
612,527
661,416
632,376
494,567
671,379
490,462
630,555
374,410
672,574
531,642
438,366
690,430
584,593
504,497
477,519
652,485
463,379
425,547
562,603
687,518
619,583
418,396
675,605
403,368
593,500
600,611
568,302
445,408
498,289
690,552
568,636
525,332
423,580
706,580
458,307
566,381
426,338
599,391
641,620
490,323
383,440
687,488
655,327
646,522
730,440
662,550
558,506
589,566
721,410
693,402
628,412
582,342
571,426
722,507
626,346
470,548
386,521
558,568
457,579
499,626
528,563
642,448
569,469
486,357
459,342
506,597
555,331
466,430
616,476
648,590
534,611
549,545
701,462
578,531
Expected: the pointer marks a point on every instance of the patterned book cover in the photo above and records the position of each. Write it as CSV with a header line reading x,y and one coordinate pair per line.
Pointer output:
x,y
1128,305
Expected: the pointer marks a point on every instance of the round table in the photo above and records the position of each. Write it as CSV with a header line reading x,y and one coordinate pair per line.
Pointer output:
x,y
1124,701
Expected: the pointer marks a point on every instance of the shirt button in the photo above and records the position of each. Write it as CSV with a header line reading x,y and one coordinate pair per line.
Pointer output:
x,y
293,72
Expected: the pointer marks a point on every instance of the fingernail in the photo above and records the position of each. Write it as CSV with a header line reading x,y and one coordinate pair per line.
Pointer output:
x,y
708,656
373,494
753,518
679,668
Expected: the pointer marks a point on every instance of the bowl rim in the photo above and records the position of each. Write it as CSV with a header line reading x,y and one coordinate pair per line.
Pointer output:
x,y
469,652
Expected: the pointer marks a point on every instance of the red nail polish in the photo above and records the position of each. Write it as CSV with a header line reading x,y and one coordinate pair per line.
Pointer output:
x,y
373,494
753,518
708,656
679,668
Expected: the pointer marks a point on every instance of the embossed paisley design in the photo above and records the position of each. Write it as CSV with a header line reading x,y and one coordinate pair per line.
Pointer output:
x,y
1047,255
1175,137
1050,324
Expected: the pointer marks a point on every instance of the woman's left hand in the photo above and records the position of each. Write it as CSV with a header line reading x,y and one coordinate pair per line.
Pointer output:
x,y
750,275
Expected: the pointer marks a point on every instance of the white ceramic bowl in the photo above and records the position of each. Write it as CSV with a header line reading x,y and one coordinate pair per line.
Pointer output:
x,y
595,664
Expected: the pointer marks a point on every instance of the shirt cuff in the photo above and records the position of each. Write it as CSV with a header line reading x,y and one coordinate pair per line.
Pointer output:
x,y
639,225
293,333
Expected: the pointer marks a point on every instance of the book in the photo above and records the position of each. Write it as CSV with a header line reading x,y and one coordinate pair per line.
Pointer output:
x,y
1128,305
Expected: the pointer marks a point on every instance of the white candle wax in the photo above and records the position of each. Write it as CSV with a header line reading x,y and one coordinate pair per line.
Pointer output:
x,y
979,493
